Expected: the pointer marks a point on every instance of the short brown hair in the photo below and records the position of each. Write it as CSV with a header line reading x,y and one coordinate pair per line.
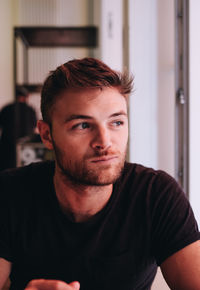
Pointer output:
x,y
81,73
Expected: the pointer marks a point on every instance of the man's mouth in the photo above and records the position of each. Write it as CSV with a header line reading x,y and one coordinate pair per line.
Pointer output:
x,y
104,159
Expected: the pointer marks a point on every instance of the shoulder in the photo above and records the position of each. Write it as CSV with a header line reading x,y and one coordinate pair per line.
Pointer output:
x,y
7,108
150,185
164,208
139,169
146,175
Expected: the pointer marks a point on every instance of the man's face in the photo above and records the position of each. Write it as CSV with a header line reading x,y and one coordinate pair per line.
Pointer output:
x,y
89,135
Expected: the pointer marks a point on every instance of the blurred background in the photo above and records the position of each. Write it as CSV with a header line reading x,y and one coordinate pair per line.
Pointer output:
x,y
158,41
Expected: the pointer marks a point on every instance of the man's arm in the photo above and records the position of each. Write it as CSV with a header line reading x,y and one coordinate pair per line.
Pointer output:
x,y
182,270
5,269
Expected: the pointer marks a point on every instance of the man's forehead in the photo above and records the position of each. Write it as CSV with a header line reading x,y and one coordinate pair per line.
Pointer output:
x,y
86,117
90,92
77,101
73,105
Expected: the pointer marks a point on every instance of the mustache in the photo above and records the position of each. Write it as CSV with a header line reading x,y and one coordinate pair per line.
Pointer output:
x,y
103,153
107,152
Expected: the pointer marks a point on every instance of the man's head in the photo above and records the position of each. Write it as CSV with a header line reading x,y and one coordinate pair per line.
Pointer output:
x,y
21,94
80,74
85,121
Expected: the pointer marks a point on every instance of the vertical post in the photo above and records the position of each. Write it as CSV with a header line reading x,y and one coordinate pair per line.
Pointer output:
x,y
14,61
25,64
111,33
182,94
126,34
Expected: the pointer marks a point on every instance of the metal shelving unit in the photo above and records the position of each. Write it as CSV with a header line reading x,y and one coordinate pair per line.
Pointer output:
x,y
50,37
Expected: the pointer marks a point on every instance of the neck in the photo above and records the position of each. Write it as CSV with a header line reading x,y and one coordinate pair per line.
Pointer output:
x,y
80,202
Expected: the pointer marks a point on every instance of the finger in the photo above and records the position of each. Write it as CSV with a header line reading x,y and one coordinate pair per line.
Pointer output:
x,y
75,285
42,284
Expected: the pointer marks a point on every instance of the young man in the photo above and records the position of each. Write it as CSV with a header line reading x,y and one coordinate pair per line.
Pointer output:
x,y
17,120
91,220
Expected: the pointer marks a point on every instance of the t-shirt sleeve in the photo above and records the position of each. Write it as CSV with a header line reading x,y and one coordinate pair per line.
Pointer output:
x,y
173,222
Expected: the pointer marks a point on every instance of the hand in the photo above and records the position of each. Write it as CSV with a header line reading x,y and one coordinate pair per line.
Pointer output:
x,y
42,284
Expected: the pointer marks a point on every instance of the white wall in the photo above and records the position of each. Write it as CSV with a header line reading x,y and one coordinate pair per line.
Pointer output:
x,y
194,95
166,85
152,62
108,16
6,54
52,12
143,65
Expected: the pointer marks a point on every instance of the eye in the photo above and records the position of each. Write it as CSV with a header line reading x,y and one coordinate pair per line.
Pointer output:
x,y
118,123
81,126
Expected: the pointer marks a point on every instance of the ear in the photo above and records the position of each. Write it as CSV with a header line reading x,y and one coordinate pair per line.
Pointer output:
x,y
45,134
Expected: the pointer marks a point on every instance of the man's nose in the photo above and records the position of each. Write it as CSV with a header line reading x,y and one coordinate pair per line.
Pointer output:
x,y
101,140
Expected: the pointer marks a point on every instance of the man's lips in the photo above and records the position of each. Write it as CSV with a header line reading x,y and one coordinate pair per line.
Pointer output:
x,y
103,159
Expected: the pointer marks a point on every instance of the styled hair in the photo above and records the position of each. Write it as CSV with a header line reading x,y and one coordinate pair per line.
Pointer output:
x,y
81,73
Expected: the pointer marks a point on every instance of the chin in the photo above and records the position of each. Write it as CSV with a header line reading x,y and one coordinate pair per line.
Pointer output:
x,y
103,177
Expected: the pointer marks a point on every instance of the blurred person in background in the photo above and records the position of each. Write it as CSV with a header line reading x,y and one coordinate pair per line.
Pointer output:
x,y
17,120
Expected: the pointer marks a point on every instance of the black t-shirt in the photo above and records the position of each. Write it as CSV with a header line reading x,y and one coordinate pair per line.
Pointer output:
x,y
147,219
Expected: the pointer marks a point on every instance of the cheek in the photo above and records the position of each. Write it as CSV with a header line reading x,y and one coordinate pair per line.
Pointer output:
x,y
72,146
123,138
68,144
120,143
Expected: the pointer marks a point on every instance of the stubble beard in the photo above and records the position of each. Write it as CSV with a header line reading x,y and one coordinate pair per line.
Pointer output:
x,y
80,173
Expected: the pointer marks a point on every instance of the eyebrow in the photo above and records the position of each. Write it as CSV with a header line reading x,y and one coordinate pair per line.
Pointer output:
x,y
120,113
76,117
